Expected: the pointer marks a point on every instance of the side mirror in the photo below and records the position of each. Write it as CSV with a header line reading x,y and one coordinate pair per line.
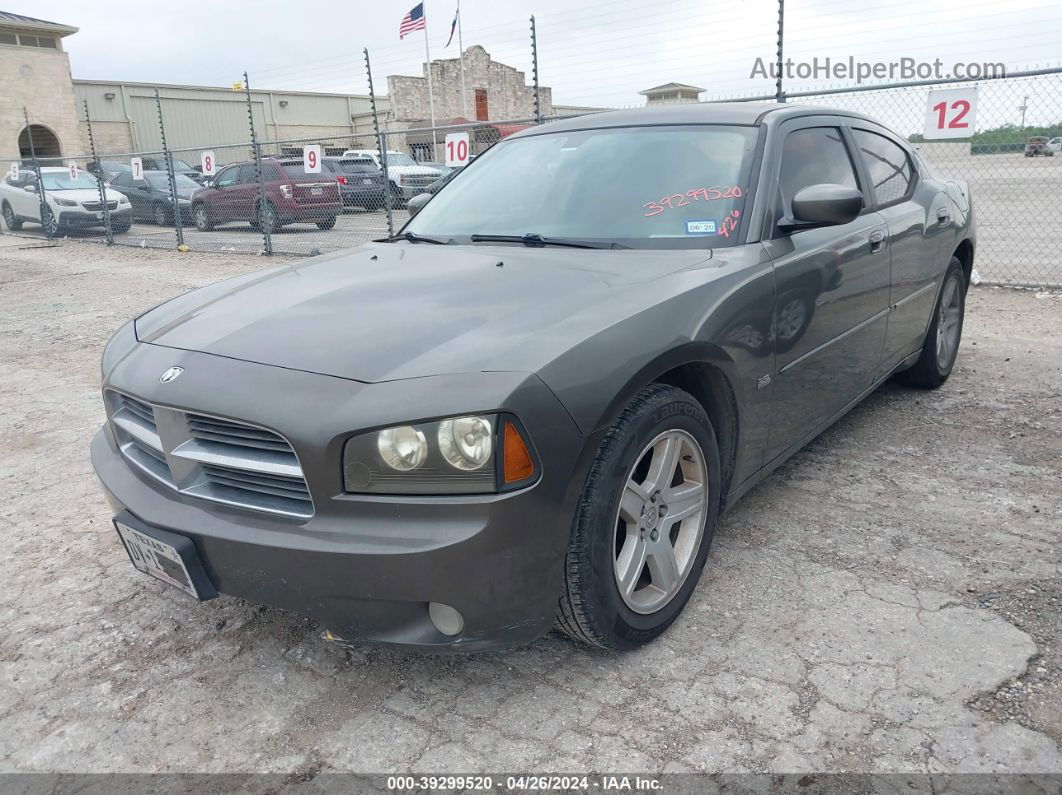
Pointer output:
x,y
30,188
823,205
416,204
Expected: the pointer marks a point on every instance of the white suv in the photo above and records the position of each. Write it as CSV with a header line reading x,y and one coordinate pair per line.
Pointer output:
x,y
407,176
68,202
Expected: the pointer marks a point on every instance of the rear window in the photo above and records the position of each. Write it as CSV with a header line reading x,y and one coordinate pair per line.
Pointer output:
x,y
355,166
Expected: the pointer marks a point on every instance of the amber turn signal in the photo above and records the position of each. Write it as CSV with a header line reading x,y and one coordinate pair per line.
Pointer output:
x,y
517,460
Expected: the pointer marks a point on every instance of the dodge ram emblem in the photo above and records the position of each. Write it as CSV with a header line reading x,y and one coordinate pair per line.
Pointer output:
x,y
171,374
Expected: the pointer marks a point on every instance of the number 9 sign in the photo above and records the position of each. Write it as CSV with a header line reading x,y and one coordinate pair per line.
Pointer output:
x,y
951,113
311,158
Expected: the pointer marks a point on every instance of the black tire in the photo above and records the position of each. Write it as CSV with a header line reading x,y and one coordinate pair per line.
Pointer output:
x,y
121,227
51,224
201,216
14,223
326,223
160,215
398,199
266,220
591,609
930,371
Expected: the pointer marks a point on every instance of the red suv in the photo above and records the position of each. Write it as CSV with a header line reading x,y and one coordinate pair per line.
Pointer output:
x,y
232,195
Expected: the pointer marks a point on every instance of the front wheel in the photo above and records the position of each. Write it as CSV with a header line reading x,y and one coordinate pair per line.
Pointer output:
x,y
51,223
941,345
201,215
160,214
326,223
644,524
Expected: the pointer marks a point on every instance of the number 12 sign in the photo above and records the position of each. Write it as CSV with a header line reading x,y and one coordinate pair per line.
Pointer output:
x,y
457,149
951,113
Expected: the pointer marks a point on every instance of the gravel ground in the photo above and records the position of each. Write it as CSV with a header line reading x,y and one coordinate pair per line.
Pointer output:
x,y
890,600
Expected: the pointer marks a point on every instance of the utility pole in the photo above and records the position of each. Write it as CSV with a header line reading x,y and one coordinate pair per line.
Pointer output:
x,y
1024,106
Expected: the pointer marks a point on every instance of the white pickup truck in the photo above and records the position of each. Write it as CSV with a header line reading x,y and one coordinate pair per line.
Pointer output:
x,y
407,176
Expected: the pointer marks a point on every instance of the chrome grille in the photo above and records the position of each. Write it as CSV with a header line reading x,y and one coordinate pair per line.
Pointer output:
x,y
211,458
112,204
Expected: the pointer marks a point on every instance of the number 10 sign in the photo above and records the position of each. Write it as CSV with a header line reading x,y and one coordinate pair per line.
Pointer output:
x,y
951,113
457,149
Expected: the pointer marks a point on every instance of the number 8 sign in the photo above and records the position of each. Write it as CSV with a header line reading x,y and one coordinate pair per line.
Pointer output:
x,y
951,113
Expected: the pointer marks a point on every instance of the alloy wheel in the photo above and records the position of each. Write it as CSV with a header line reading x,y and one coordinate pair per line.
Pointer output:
x,y
9,216
160,215
660,521
948,322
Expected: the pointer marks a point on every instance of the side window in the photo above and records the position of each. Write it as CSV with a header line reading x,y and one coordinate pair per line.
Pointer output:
x,y
227,177
247,175
811,157
123,180
887,164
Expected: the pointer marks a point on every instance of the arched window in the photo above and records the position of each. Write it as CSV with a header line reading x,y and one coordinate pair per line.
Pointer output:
x,y
45,143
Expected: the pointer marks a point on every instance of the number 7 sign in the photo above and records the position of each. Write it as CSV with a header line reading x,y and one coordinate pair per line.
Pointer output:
x,y
951,113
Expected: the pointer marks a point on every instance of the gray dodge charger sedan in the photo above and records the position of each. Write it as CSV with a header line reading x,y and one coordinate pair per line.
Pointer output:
x,y
529,408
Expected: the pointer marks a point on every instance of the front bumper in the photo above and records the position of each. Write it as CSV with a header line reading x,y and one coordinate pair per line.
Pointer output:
x,y
365,567
84,218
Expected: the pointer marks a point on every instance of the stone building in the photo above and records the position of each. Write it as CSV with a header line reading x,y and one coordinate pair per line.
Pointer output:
x,y
35,74
493,91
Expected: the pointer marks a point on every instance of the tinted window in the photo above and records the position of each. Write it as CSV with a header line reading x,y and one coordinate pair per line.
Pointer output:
x,y
650,187
355,166
227,177
811,157
123,180
887,164
248,175
162,181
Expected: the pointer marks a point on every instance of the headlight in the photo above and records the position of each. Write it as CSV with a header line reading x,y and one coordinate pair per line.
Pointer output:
x,y
123,199
66,203
123,341
475,454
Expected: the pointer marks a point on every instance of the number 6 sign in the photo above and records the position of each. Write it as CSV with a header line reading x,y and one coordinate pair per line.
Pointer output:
x,y
951,113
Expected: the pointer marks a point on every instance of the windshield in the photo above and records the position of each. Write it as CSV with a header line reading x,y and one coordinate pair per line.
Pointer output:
x,y
399,159
646,187
162,181
60,180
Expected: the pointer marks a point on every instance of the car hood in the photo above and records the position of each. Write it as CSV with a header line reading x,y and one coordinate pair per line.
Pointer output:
x,y
391,311
84,194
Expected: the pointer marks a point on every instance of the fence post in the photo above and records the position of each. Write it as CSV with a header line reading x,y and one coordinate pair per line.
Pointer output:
x,y
267,233
99,179
40,182
779,95
168,156
381,148
534,72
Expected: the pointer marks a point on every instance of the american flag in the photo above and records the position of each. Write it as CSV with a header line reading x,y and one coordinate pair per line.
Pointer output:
x,y
412,21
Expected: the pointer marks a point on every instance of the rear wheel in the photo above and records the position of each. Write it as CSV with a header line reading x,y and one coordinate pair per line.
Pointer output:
x,y
941,345
327,223
160,214
644,524
14,223
267,219
398,199
201,215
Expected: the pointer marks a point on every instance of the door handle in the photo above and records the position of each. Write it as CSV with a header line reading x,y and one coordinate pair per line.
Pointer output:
x,y
943,216
877,240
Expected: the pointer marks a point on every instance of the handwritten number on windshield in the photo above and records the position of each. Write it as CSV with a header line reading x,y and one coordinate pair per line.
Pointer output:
x,y
676,200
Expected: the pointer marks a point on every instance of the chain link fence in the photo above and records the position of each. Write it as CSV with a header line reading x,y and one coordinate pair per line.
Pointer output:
x,y
259,194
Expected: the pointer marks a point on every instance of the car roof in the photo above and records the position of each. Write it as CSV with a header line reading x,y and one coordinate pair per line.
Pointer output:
x,y
729,113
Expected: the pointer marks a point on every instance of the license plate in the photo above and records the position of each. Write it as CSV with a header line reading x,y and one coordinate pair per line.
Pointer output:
x,y
99,216
366,182
161,560
316,191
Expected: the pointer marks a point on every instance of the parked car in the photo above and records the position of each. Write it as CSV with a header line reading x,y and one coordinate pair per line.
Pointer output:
x,y
361,183
108,169
69,203
1038,145
407,177
529,407
150,197
1055,145
233,195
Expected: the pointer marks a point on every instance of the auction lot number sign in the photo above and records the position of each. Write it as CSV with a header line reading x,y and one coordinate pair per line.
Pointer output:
x,y
457,149
951,113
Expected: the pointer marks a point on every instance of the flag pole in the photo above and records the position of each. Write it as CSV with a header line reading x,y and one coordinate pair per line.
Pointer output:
x,y
461,55
431,94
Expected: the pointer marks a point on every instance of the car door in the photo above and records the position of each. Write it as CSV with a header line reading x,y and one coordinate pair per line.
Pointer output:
x,y
921,222
245,202
134,190
27,203
832,288
222,199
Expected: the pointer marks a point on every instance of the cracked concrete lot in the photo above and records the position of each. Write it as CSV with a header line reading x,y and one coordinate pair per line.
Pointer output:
x,y
890,600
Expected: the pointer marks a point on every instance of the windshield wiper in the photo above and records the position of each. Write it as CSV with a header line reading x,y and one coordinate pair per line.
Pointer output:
x,y
412,238
534,240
